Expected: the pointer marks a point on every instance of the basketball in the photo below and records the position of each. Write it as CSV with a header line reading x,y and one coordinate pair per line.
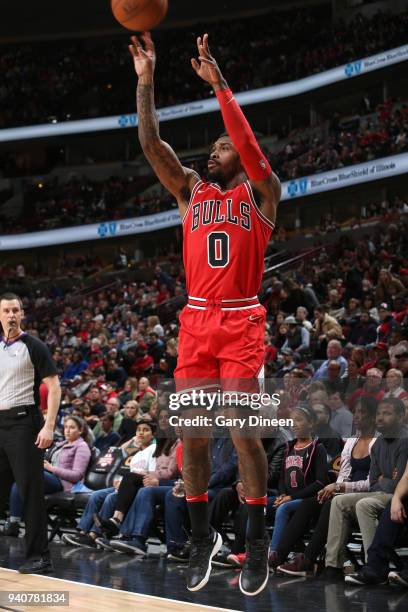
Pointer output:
x,y
139,15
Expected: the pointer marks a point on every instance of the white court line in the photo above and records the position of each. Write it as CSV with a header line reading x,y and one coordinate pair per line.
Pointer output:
x,y
96,586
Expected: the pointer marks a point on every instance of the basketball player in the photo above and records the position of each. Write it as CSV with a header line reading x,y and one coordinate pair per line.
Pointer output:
x,y
227,223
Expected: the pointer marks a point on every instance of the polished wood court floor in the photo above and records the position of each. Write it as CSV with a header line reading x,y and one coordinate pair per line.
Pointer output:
x,y
107,581
90,598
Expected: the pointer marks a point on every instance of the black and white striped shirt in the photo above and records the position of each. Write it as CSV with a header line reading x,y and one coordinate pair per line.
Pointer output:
x,y
24,362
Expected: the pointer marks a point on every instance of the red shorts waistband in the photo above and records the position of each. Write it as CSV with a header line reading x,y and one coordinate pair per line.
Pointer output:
x,y
200,303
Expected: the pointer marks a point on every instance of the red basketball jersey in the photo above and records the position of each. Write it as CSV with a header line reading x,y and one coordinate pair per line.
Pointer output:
x,y
225,236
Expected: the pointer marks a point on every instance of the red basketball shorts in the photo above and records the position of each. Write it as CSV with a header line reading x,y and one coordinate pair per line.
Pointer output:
x,y
221,344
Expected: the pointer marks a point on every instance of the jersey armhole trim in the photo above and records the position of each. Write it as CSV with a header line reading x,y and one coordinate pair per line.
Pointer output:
x,y
260,214
193,193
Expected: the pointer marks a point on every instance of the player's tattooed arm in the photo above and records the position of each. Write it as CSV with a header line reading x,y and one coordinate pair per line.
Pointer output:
x,y
165,163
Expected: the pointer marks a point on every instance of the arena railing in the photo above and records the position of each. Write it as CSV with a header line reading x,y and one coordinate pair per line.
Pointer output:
x,y
347,176
354,69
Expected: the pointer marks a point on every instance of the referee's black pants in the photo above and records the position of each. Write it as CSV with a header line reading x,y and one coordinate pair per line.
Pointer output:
x,y
21,461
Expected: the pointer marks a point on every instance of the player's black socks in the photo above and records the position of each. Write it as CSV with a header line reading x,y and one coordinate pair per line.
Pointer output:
x,y
256,518
198,511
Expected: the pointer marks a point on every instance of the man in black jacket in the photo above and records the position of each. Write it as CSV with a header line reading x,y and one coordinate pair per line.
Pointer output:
x,y
364,331
382,550
389,456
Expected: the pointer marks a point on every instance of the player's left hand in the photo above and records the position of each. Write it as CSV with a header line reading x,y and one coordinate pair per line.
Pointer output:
x,y
45,437
206,67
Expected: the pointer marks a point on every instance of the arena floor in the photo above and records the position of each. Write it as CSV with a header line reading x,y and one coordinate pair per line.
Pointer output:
x,y
153,584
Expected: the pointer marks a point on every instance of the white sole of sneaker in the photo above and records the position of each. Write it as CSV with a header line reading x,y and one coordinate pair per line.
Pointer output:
x,y
290,573
395,578
103,545
222,564
216,548
261,588
234,564
129,550
171,557
66,540
351,580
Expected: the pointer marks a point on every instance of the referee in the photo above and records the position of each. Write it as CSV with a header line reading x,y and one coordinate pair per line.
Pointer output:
x,y
24,363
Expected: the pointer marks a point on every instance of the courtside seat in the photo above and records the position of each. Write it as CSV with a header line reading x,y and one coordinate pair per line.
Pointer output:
x,y
65,507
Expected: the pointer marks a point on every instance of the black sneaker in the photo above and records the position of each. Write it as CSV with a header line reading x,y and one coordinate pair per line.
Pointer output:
x,y
399,578
110,526
181,554
366,575
11,529
255,571
37,566
201,554
298,566
332,574
82,540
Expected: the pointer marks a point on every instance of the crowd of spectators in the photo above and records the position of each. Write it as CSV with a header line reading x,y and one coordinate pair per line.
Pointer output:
x,y
90,77
350,141
336,349
53,203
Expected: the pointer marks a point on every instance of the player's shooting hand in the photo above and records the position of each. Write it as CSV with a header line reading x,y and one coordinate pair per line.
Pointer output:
x,y
144,55
206,67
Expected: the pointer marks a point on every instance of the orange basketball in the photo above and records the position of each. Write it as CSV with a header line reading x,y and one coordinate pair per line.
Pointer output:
x,y
139,15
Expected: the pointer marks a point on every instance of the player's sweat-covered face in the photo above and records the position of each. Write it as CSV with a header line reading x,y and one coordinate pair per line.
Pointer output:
x,y
224,162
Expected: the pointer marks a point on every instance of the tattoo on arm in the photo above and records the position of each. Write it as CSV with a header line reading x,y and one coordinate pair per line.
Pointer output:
x,y
160,155
147,119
